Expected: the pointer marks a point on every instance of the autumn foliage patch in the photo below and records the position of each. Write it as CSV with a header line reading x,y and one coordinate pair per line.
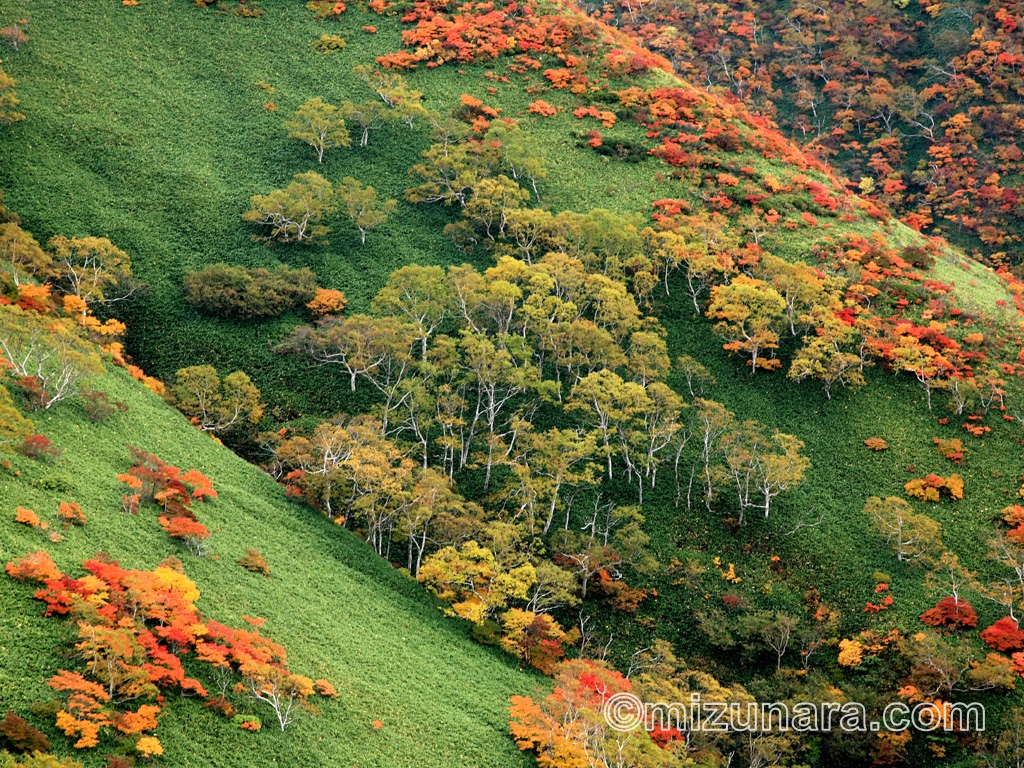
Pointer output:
x,y
134,629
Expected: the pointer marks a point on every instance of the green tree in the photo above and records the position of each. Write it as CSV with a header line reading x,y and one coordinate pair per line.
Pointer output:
x,y
492,204
360,204
421,295
598,396
914,537
20,251
698,378
749,312
93,269
449,173
369,116
378,350
518,152
436,514
711,421
528,229
554,588
647,357
394,91
806,292
14,427
824,358
214,405
318,124
761,464
50,355
293,214
236,291
496,375
549,463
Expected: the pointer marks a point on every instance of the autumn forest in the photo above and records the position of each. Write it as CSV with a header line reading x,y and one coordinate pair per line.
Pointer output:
x,y
405,382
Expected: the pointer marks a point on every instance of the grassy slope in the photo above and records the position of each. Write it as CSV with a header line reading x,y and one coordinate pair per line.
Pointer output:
x,y
341,612
159,141
153,132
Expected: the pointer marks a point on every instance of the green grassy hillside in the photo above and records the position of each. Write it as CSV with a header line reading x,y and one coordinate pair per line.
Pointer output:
x,y
342,613
148,125
153,131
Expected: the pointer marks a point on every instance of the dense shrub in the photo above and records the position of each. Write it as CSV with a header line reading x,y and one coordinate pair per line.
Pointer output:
x,y
20,736
227,291
255,562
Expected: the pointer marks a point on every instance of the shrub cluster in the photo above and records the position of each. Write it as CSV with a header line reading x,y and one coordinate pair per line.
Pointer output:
x,y
249,293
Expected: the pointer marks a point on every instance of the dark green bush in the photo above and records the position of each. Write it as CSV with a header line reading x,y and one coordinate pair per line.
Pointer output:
x,y
241,292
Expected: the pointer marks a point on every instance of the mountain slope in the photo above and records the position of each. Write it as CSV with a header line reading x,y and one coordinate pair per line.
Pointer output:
x,y
342,613
155,132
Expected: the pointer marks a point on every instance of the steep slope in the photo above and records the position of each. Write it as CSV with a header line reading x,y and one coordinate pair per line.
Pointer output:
x,y
158,143
342,613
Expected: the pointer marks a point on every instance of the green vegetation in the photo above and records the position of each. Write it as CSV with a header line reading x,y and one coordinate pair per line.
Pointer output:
x,y
486,393
391,654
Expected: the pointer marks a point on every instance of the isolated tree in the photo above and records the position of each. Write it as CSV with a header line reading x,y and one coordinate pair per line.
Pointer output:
x,y
774,629
14,35
318,124
914,537
551,462
293,213
698,378
930,367
214,405
394,91
327,301
750,313
359,203
369,116
1008,590
93,269
285,693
